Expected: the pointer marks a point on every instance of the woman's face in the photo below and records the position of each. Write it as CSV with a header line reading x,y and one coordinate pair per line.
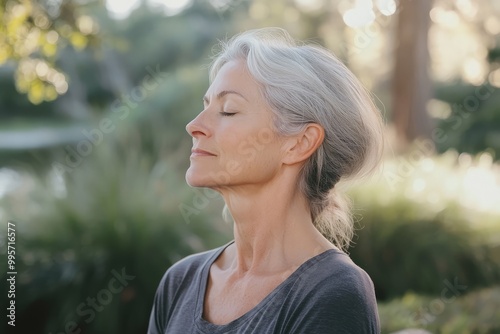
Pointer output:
x,y
234,142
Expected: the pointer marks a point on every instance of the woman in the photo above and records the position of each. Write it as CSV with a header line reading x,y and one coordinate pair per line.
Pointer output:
x,y
282,124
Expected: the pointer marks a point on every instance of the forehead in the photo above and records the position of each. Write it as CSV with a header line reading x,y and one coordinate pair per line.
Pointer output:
x,y
234,76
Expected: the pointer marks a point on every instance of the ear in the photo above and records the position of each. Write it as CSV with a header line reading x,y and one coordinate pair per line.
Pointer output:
x,y
303,145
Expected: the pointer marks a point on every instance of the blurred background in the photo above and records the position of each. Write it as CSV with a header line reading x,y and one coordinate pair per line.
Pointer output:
x,y
94,99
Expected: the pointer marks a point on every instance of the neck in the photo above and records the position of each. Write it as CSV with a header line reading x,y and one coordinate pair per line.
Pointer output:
x,y
273,230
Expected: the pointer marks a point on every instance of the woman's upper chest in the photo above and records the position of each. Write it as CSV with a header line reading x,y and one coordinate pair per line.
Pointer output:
x,y
227,299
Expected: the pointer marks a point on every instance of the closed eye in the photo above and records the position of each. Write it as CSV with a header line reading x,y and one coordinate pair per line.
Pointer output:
x,y
223,113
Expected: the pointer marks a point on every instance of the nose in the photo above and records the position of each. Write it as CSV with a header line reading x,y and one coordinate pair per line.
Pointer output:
x,y
197,126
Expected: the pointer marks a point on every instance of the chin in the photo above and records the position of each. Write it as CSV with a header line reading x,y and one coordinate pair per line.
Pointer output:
x,y
196,179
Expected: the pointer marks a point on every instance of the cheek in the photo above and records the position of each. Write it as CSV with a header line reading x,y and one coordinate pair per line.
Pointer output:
x,y
250,144
260,160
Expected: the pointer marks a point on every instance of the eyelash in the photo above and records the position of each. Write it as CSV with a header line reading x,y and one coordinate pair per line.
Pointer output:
x,y
223,113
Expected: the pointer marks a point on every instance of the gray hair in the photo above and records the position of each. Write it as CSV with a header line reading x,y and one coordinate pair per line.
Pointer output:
x,y
308,84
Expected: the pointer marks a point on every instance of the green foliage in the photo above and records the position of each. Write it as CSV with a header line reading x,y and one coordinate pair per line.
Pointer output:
x,y
107,58
472,124
118,210
31,34
417,233
477,312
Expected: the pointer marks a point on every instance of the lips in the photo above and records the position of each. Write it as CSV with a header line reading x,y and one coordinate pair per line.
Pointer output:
x,y
200,152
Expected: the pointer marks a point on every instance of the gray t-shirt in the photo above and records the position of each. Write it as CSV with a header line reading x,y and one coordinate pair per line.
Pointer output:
x,y
326,294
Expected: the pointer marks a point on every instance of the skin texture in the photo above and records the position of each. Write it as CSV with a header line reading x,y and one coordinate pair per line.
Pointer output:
x,y
256,171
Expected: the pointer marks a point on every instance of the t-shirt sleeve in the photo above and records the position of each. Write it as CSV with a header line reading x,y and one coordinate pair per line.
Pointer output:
x,y
178,280
168,287
157,317
347,307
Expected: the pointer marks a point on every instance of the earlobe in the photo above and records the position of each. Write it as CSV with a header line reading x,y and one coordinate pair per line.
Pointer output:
x,y
305,143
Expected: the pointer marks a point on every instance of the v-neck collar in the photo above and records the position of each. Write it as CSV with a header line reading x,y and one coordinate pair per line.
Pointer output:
x,y
207,327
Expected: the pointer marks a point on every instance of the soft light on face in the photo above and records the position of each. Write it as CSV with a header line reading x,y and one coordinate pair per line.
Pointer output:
x,y
233,138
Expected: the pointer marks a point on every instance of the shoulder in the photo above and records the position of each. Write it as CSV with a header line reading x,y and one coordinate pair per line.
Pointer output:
x,y
339,281
340,273
333,272
336,296
188,268
179,280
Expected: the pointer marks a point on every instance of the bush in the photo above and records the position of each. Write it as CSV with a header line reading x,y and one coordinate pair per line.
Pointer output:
x,y
116,214
472,123
477,312
421,230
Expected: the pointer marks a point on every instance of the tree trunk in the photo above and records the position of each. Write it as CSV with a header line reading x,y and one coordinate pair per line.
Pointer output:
x,y
411,82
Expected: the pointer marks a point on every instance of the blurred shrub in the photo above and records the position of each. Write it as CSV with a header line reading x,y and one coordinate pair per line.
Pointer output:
x,y
477,312
117,213
427,220
472,122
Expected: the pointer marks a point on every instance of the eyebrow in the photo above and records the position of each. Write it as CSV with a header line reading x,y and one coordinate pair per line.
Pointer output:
x,y
223,93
